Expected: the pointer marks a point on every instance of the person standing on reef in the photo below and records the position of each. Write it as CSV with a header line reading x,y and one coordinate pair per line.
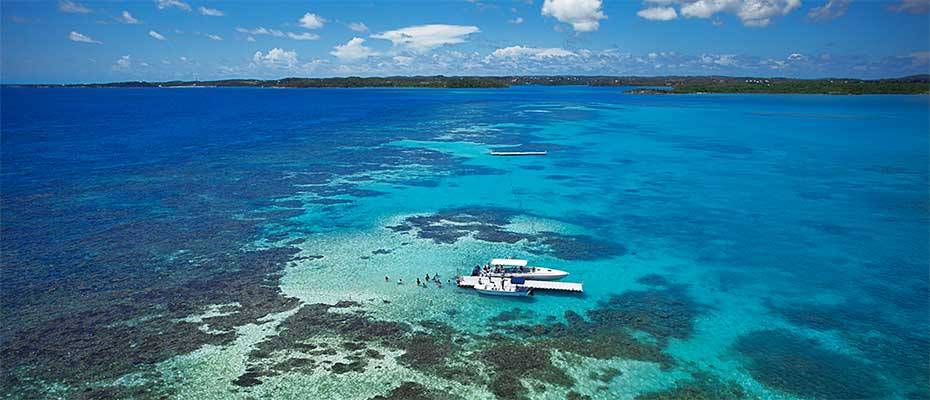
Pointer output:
x,y
385,278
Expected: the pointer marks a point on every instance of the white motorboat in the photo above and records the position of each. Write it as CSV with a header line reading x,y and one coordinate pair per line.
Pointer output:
x,y
502,287
513,268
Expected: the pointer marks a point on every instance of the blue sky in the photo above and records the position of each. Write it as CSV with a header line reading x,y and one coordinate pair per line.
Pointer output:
x,y
87,41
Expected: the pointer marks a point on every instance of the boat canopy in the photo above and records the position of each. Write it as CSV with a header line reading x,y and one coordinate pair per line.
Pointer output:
x,y
508,262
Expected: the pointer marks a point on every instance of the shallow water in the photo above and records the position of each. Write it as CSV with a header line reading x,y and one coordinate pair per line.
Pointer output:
x,y
768,246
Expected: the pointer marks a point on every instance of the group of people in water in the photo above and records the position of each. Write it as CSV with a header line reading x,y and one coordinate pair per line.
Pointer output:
x,y
424,282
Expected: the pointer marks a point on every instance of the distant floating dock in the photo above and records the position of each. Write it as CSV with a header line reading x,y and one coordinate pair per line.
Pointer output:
x,y
518,153
471,281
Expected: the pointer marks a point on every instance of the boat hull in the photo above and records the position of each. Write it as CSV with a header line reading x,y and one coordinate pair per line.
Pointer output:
x,y
507,293
540,274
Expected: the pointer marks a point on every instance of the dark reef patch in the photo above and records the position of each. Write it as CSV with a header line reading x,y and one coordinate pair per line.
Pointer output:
x,y
653,280
574,247
702,386
489,225
275,354
606,375
514,314
512,361
414,391
664,313
784,361
609,330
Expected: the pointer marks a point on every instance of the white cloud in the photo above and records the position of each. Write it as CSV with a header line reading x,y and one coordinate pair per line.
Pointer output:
x,y
583,15
353,50
423,38
276,58
312,21
211,12
358,27
830,10
156,35
516,21
920,58
796,57
750,12
80,37
402,60
214,37
250,39
658,13
71,7
123,63
261,31
912,6
756,13
303,36
163,4
127,18
515,52
724,60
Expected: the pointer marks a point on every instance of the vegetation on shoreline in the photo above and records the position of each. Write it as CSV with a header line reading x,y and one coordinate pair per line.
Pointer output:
x,y
908,85
917,84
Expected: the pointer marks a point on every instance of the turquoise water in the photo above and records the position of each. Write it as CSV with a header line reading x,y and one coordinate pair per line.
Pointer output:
x,y
759,246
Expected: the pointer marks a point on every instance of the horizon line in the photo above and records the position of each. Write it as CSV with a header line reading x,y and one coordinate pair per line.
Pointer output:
x,y
470,76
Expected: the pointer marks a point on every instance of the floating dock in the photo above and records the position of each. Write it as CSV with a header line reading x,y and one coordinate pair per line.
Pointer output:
x,y
518,153
471,281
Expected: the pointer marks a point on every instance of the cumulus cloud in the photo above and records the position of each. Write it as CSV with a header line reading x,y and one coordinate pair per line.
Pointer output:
x,y
122,64
724,60
658,13
275,58
71,7
920,58
582,15
127,18
516,21
358,27
423,38
214,37
912,6
79,37
515,52
750,12
303,36
261,31
830,10
353,50
156,35
756,13
312,21
402,60
163,4
211,12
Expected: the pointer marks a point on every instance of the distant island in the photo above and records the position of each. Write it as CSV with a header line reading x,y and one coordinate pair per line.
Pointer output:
x,y
917,84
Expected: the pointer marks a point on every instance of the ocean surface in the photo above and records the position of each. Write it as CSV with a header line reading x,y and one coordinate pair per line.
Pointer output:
x,y
223,243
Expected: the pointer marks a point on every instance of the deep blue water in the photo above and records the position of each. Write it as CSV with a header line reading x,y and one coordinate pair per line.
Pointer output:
x,y
183,242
